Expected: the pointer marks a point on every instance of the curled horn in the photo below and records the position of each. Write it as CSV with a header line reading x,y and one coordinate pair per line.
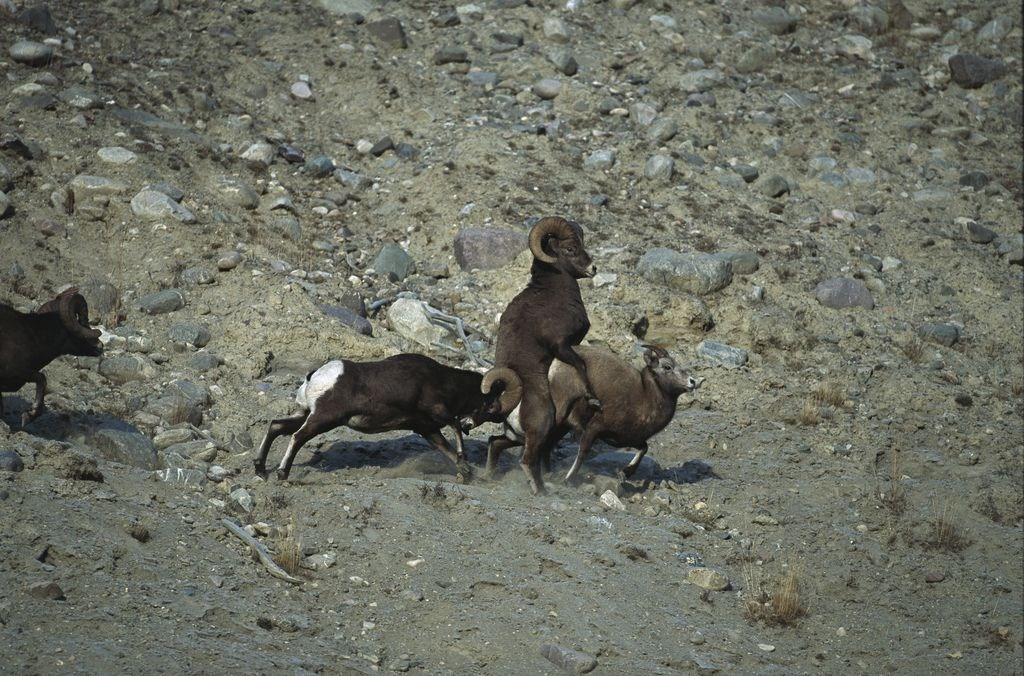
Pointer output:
x,y
509,399
74,312
551,225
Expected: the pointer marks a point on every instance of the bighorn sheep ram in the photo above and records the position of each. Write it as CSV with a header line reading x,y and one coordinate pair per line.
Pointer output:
x,y
404,392
637,404
543,323
28,342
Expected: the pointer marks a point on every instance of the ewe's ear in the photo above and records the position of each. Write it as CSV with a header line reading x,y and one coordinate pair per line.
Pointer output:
x,y
651,356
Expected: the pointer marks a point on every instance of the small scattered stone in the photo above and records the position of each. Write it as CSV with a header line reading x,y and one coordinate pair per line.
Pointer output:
x,y
161,302
599,160
10,461
388,31
301,91
979,234
707,578
548,88
236,193
31,53
564,61
229,261
942,334
450,54
701,80
568,660
695,273
843,292
612,501
774,186
156,205
47,591
348,318
659,168
748,173
243,499
971,71
776,20
487,248
934,576
663,129
720,354
394,263
127,447
556,30
196,335
38,18
116,155
259,155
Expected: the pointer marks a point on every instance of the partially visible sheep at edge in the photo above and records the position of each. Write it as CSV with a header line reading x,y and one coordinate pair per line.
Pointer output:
x,y
30,341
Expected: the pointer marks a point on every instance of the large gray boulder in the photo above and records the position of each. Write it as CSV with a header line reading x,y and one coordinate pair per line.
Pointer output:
x,y
696,273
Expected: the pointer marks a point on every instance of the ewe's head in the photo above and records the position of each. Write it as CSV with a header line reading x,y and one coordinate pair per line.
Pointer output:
x,y
673,378
502,391
559,242
81,341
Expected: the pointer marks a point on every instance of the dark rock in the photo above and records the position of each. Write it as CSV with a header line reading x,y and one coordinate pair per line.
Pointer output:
x,y
320,166
394,263
971,71
743,262
382,146
943,334
48,591
776,20
161,302
10,461
291,154
388,31
487,248
38,18
348,318
127,447
842,292
568,660
747,172
979,234
197,275
451,54
204,361
774,186
196,335
974,179
407,151
964,399
446,19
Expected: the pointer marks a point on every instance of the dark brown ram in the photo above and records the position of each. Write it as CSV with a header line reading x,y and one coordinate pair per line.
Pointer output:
x,y
28,342
404,392
546,321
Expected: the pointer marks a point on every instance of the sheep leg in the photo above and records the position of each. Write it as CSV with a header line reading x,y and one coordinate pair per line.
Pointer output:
x,y
38,406
463,466
495,446
630,469
586,441
573,359
313,426
277,428
538,420
441,444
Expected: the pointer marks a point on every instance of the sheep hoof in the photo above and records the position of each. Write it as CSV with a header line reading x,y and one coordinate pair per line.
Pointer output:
x,y
463,473
282,475
261,470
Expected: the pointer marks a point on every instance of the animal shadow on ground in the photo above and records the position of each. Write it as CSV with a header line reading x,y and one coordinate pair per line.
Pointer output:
x,y
406,456
58,424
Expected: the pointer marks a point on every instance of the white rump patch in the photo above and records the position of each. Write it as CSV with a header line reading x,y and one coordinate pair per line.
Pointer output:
x,y
319,382
513,429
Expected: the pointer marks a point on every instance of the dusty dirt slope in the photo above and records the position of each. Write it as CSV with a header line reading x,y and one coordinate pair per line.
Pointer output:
x,y
841,181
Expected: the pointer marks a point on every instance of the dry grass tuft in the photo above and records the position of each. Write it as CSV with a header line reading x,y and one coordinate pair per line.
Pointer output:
x,y
773,604
288,551
139,532
893,497
828,394
810,414
913,349
944,531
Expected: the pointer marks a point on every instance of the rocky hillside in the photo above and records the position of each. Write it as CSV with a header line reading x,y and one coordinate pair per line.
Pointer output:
x,y
818,205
